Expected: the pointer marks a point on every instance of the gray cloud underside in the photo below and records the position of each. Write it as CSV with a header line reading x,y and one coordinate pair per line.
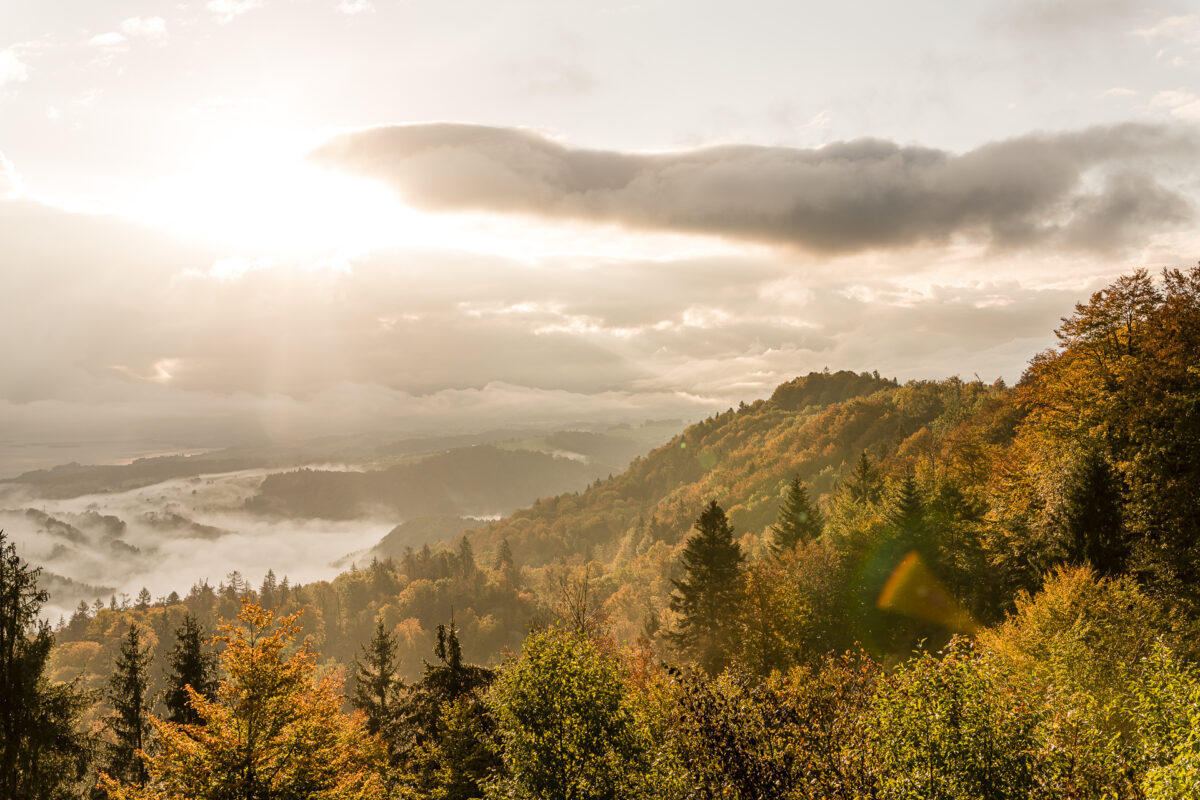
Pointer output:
x,y
1094,189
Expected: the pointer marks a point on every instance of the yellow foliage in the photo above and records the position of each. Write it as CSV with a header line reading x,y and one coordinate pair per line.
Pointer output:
x,y
275,728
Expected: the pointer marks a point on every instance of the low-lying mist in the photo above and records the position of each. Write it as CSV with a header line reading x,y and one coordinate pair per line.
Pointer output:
x,y
306,512
169,536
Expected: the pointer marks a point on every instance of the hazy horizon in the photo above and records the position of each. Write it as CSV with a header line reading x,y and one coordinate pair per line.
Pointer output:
x,y
249,220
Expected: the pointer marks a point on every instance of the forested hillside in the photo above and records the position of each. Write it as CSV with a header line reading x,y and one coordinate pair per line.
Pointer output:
x,y
854,588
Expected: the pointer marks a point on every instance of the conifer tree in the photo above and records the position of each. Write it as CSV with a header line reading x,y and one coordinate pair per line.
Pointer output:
x,y
375,681
129,695
42,752
266,592
799,519
708,598
505,565
466,558
190,666
433,741
864,482
906,512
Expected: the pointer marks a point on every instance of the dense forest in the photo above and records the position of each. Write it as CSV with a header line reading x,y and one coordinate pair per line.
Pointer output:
x,y
852,589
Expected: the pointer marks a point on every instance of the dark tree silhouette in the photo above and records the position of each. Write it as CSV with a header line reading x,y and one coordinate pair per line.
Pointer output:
x,y
708,598
129,695
190,665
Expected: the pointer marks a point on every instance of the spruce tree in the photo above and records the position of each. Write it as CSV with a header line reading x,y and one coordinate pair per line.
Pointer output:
x,y
42,752
377,694
799,519
129,696
906,513
466,558
707,599
505,565
448,758
864,483
190,666
375,681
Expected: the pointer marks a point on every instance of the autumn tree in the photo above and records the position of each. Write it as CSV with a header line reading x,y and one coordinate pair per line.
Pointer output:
x,y
1124,381
274,730
709,596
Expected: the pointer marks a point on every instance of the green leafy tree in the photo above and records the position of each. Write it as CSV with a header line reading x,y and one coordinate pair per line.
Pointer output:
x,y
192,669
565,723
709,597
799,519
1166,707
798,734
129,695
43,754
947,728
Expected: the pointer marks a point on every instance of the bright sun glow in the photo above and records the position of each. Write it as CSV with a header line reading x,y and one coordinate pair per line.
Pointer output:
x,y
259,196
256,192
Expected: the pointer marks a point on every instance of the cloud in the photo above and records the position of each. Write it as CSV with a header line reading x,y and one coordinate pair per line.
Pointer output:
x,y
144,27
1183,28
12,68
108,40
352,7
1033,190
10,181
129,335
1058,18
227,10
1179,103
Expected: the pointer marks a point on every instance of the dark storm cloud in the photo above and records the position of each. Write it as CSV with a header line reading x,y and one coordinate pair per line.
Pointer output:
x,y
1033,190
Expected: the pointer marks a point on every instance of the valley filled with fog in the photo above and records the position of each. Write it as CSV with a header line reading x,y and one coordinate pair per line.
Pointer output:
x,y
306,512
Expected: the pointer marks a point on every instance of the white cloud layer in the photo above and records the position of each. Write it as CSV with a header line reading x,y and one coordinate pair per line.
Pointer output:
x,y
352,7
144,27
225,11
12,68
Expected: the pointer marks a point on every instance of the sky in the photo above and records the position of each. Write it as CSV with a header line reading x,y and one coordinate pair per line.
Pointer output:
x,y
230,221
